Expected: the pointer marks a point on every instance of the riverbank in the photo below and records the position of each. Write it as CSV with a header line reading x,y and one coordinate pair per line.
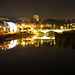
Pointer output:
x,y
66,39
14,36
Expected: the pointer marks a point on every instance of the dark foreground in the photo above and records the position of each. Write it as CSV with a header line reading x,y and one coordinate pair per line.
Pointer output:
x,y
41,60
46,59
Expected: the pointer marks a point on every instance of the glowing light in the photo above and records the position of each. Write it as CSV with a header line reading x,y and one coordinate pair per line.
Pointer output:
x,y
41,41
61,27
13,27
70,24
12,44
44,37
23,43
44,31
23,24
32,43
51,42
26,43
26,25
54,25
34,37
73,26
34,31
31,25
41,26
2,48
20,26
54,42
65,27
58,31
4,29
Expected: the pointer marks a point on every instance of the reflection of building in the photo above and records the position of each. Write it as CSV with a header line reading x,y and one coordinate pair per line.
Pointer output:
x,y
36,17
12,44
8,45
31,41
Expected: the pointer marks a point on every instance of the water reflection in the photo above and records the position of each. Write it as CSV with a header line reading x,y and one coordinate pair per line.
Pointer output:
x,y
8,45
35,41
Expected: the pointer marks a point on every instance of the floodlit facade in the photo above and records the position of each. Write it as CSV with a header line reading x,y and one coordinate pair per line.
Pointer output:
x,y
12,26
8,27
36,17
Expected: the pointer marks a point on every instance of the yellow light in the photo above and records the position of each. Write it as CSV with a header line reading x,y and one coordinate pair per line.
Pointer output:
x,y
20,26
61,27
65,27
32,25
32,43
23,24
54,25
41,26
23,43
2,48
0,26
8,26
73,26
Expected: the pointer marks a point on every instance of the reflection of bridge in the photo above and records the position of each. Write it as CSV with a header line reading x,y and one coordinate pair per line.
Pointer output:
x,y
57,30
44,37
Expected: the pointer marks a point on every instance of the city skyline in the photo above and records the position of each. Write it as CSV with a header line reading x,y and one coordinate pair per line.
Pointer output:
x,y
46,9
37,37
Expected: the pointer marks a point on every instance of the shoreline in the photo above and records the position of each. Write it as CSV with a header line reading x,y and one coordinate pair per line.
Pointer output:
x,y
14,36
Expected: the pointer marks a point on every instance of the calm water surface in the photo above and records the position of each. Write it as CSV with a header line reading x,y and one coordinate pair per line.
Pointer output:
x,y
36,54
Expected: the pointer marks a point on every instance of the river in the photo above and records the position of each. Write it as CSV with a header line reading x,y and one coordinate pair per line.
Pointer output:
x,y
37,55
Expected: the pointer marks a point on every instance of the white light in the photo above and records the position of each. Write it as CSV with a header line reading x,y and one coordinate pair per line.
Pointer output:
x,y
26,25
26,43
12,26
4,29
34,37
12,44
44,37
44,31
58,30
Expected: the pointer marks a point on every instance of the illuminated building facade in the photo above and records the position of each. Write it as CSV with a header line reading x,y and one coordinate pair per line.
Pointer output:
x,y
1,18
73,25
36,17
7,27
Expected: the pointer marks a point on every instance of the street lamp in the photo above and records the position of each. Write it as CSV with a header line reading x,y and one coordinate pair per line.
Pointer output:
x,y
23,24
61,27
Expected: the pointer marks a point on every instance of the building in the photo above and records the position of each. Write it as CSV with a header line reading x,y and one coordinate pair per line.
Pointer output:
x,y
22,19
1,18
6,26
73,25
36,17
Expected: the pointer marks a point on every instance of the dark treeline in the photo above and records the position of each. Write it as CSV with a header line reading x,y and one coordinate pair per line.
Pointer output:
x,y
57,22
67,39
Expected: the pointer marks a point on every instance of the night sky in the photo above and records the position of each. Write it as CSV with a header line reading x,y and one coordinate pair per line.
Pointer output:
x,y
45,8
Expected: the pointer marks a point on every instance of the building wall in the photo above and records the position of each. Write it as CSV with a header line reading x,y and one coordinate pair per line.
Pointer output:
x,y
36,17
